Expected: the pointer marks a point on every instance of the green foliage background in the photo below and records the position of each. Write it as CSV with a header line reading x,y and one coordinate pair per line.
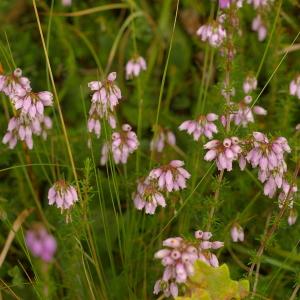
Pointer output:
x,y
106,252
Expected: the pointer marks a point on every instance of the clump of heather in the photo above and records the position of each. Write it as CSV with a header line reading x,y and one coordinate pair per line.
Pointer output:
x,y
178,257
168,116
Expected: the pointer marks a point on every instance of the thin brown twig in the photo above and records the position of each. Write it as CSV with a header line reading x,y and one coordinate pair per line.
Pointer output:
x,y
295,291
11,291
258,264
16,226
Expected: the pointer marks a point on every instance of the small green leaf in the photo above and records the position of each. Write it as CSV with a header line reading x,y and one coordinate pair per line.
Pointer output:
x,y
17,278
210,283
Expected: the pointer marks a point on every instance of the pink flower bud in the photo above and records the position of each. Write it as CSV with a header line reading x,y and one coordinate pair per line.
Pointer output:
x,y
206,235
217,245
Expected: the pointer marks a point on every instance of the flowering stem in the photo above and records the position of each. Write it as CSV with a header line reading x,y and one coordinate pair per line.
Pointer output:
x,y
139,92
269,40
56,98
200,103
228,100
275,225
216,198
118,37
258,264
164,79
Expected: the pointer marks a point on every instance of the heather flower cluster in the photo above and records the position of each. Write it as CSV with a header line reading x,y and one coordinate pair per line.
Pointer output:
x,y
40,243
178,257
63,195
148,196
249,84
105,97
162,138
29,118
204,125
259,26
223,4
237,233
123,143
224,153
258,4
151,190
292,218
295,87
171,177
66,2
245,112
258,23
213,33
268,156
135,66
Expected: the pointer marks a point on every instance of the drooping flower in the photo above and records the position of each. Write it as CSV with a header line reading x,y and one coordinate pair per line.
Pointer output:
x,y
148,196
63,195
14,84
259,26
244,114
203,125
135,66
123,144
23,128
29,107
162,138
237,233
287,194
226,3
33,104
40,243
214,33
250,84
178,257
292,218
223,152
265,154
295,87
66,2
268,156
105,98
171,177
260,3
